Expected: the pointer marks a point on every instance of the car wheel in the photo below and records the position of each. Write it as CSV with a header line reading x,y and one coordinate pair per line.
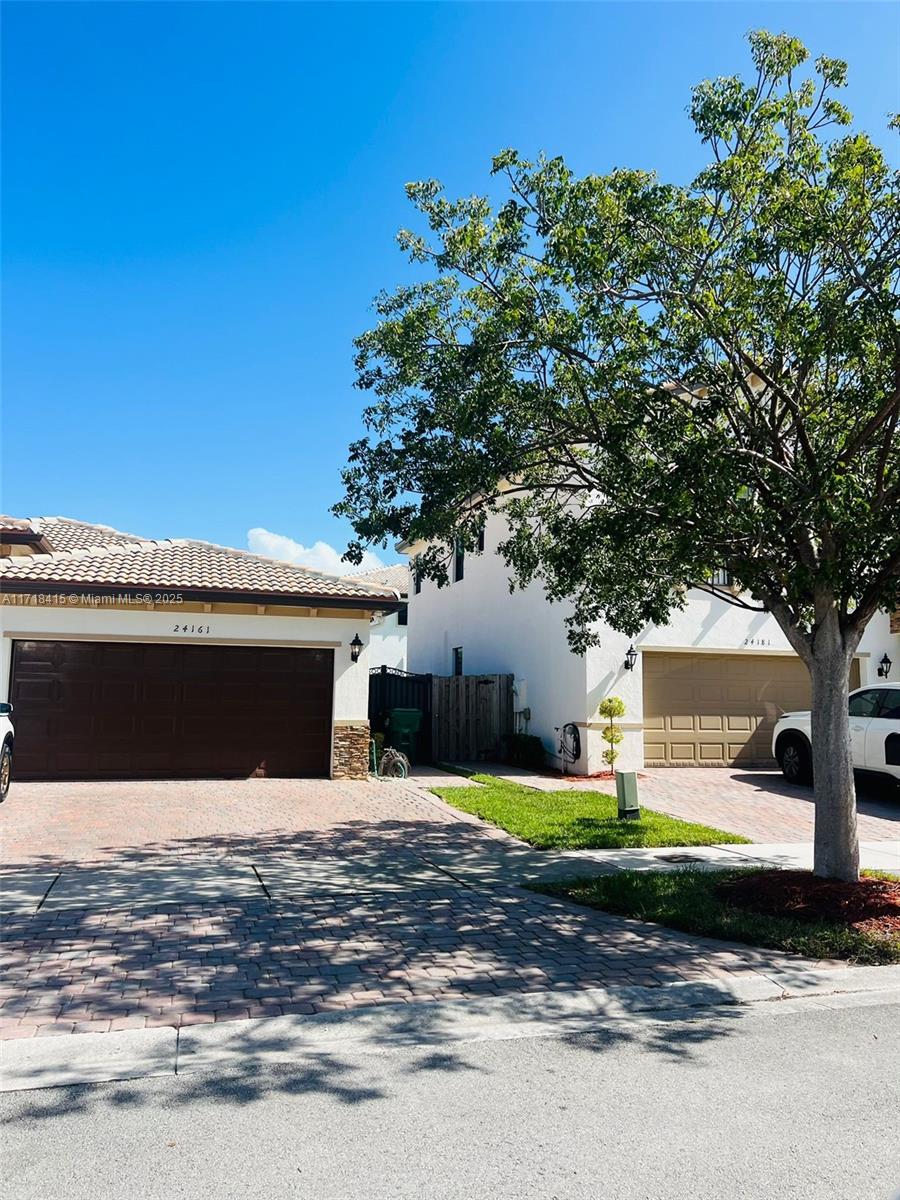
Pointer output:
x,y
795,760
5,770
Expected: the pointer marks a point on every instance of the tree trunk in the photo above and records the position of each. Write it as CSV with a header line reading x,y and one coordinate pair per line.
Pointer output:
x,y
836,848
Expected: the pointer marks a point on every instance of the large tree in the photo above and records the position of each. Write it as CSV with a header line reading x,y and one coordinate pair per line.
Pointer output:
x,y
658,380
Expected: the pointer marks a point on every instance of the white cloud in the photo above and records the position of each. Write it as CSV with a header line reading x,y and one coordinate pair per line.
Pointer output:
x,y
320,556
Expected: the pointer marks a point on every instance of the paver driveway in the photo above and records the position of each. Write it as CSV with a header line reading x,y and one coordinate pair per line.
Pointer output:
x,y
761,804
173,903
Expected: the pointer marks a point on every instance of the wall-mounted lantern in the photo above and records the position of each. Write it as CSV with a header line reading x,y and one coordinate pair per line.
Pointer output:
x,y
355,647
884,667
630,658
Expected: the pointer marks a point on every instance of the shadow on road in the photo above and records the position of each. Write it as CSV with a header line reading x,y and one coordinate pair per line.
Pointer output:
x,y
363,1078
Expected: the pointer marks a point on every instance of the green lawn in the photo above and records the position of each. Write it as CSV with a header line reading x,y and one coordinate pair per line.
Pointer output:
x,y
574,820
687,900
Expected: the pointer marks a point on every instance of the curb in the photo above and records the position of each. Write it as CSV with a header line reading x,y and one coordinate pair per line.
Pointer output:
x,y
248,1046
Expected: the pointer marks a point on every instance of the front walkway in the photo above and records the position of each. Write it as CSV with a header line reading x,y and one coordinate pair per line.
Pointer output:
x,y
141,904
757,804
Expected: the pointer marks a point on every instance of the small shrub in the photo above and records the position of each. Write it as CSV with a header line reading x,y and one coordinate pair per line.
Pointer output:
x,y
525,750
611,708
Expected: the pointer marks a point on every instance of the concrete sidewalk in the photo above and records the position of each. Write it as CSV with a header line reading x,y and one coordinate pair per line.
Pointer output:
x,y
260,1044
798,856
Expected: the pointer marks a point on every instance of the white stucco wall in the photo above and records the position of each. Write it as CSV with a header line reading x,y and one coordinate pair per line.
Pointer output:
x,y
519,634
388,643
351,681
523,634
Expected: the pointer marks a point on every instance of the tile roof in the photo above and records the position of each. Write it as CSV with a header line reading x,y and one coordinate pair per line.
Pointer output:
x,y
105,558
395,576
15,523
65,534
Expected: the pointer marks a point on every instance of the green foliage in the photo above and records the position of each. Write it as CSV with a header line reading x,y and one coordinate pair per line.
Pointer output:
x,y
688,900
610,709
525,750
657,379
574,820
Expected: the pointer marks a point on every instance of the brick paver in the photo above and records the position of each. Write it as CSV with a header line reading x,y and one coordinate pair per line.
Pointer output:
x,y
760,804
99,969
59,823
75,972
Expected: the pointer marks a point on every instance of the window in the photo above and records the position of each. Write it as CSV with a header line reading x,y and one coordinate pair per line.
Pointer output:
x,y
721,579
865,704
480,542
459,562
457,660
403,616
890,704
417,578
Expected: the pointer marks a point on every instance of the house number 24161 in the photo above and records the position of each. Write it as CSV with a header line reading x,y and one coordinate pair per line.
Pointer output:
x,y
190,629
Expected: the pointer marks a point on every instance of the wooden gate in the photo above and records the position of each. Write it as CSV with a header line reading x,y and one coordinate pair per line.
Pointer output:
x,y
471,716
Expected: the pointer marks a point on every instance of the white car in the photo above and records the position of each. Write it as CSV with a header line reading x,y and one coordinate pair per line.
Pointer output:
x,y
7,737
874,735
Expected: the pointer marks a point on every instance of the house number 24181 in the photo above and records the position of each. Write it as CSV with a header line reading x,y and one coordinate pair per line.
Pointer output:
x,y
190,629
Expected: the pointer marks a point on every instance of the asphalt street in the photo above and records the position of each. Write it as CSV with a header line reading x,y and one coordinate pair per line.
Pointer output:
x,y
768,1101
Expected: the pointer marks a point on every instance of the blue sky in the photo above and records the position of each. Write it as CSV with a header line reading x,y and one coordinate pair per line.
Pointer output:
x,y
200,202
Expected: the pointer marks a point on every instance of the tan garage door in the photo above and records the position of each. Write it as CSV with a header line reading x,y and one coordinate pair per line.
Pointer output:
x,y
719,709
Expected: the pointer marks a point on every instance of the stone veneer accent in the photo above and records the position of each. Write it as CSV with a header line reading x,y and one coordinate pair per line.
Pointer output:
x,y
351,751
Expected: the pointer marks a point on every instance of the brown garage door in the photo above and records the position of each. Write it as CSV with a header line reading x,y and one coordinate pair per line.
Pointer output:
x,y
719,709
124,710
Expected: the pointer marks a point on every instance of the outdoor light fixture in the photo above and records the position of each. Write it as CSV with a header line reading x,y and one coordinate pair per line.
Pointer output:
x,y
884,667
630,658
355,647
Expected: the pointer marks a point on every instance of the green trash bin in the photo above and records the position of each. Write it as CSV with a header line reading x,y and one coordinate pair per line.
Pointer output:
x,y
401,728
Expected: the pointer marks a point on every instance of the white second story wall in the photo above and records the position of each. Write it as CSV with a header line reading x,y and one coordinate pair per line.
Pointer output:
x,y
517,633
388,643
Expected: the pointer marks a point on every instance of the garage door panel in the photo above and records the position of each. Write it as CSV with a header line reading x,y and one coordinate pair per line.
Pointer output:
x,y
712,751
161,693
74,727
35,691
276,658
116,726
159,728
201,695
70,695
130,710
683,751
115,692
743,695
114,656
734,723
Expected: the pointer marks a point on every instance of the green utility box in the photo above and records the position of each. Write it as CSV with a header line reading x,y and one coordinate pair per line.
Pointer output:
x,y
627,794
401,728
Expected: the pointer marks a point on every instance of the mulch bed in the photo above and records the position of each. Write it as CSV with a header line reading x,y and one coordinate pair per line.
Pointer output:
x,y
869,906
